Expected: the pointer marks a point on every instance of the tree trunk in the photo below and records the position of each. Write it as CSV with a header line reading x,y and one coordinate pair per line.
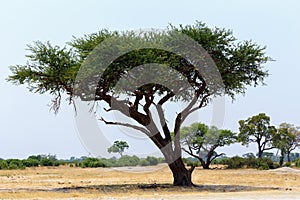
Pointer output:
x,y
181,175
281,159
289,157
204,164
260,153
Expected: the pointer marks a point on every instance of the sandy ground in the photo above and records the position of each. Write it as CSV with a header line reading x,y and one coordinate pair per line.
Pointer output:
x,y
122,183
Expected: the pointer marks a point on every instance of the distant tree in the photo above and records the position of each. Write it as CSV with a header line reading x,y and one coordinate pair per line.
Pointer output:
x,y
201,141
268,155
118,147
287,139
248,155
257,129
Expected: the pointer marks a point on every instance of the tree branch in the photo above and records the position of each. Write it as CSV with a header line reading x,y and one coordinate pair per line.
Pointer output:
x,y
126,125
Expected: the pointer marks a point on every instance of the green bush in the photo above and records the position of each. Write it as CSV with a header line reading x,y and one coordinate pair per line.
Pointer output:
x,y
152,160
15,164
3,164
46,162
128,161
144,162
235,162
30,162
92,162
297,162
161,160
288,164
263,166
266,161
250,162
220,161
190,161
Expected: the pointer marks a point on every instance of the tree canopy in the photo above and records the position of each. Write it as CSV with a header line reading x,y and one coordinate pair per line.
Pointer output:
x,y
71,70
118,147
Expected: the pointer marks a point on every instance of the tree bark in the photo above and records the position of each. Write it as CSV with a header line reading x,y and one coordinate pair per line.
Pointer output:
x,y
181,175
260,152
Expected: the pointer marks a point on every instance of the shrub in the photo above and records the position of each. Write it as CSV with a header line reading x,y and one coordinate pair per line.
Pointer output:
x,y
128,161
30,162
235,162
152,160
263,166
46,162
3,164
288,164
276,165
265,163
297,162
144,162
92,162
15,164
191,161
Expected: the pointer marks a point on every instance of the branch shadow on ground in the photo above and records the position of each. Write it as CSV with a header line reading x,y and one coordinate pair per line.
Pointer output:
x,y
127,188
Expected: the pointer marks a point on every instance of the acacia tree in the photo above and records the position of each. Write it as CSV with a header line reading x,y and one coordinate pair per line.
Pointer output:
x,y
257,129
118,147
201,141
53,69
287,139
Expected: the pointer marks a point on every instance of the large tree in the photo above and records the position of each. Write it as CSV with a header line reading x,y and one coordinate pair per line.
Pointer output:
x,y
257,129
55,70
201,142
287,139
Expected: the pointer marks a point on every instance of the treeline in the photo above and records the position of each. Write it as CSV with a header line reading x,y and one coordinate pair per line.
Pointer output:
x,y
84,162
123,161
238,162
31,161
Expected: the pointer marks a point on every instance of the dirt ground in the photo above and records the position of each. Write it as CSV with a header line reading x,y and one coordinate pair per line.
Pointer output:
x,y
66,182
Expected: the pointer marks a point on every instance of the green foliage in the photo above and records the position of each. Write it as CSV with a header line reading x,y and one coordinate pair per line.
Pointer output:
x,y
287,139
201,141
3,164
152,160
297,162
15,164
144,162
248,155
190,161
250,162
128,161
288,164
92,163
31,162
53,69
257,129
235,162
118,147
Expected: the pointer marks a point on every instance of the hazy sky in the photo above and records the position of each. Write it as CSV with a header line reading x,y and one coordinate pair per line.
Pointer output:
x,y
27,126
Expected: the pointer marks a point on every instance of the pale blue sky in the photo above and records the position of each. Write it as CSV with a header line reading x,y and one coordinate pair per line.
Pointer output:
x,y
27,126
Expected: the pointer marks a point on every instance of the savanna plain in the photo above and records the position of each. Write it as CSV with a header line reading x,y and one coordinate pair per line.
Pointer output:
x,y
152,182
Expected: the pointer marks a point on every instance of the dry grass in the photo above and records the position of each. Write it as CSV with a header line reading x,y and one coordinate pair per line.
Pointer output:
x,y
67,182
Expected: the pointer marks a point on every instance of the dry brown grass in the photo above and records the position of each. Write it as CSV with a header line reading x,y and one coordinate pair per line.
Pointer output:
x,y
68,182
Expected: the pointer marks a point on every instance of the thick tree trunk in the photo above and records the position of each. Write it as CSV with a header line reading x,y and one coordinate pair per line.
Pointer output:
x,y
204,164
181,175
288,156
